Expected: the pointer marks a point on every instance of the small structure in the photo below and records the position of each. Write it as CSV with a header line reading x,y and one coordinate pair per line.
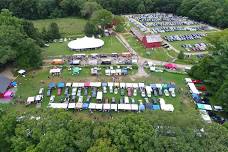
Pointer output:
x,y
55,72
4,84
57,62
76,71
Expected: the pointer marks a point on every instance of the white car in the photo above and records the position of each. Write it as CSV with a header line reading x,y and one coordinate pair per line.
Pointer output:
x,y
146,100
173,93
80,99
52,98
166,92
135,92
74,91
111,89
116,91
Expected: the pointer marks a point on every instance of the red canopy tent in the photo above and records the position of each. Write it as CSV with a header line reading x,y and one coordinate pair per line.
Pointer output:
x,y
87,84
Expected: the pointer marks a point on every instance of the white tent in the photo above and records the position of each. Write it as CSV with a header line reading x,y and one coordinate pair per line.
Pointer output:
x,y
85,43
71,105
193,88
135,85
75,85
141,85
116,84
68,84
121,106
122,85
134,107
159,86
110,84
218,108
57,70
114,107
106,106
76,62
58,105
92,106
99,106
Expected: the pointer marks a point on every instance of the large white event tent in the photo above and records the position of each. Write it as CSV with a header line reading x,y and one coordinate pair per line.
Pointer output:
x,y
85,43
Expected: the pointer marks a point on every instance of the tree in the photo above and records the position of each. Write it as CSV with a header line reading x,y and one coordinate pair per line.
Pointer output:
x,y
91,29
119,23
181,55
102,18
88,8
53,31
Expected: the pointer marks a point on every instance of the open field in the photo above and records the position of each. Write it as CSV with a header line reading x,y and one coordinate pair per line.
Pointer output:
x,y
111,45
68,26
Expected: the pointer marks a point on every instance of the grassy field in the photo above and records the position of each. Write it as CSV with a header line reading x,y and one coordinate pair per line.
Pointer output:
x,y
111,45
156,54
68,26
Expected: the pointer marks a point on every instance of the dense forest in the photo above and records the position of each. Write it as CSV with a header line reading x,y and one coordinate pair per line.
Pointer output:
x,y
56,130
209,11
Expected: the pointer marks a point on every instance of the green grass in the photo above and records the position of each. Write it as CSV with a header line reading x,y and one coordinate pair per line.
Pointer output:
x,y
156,54
111,45
68,26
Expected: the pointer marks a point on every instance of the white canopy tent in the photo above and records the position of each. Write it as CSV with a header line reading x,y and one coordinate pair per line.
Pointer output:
x,y
106,106
99,95
58,105
99,106
30,100
129,85
85,43
110,84
141,85
71,105
57,70
122,85
114,107
92,106
135,85
134,107
68,84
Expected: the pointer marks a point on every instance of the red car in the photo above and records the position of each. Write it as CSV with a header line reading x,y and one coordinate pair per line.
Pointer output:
x,y
129,92
197,81
202,88
59,92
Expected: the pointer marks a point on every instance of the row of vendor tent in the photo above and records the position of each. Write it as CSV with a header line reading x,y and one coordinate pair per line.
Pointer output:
x,y
122,71
105,106
111,84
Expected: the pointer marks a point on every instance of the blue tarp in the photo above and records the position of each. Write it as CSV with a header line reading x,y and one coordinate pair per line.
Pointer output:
x,y
141,107
13,83
155,107
196,97
85,106
51,85
61,85
104,84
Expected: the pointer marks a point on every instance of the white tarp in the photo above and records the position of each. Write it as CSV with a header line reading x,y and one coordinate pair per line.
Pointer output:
x,y
58,105
118,71
113,71
71,105
168,107
193,88
95,84
124,106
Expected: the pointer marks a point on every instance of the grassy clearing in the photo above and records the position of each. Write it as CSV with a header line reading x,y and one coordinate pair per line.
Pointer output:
x,y
156,54
68,26
111,45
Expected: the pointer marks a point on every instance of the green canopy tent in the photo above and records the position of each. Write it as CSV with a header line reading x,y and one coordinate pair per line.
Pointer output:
x,y
76,70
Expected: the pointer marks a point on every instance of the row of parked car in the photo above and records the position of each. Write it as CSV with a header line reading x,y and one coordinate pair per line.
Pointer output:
x,y
164,29
172,38
195,47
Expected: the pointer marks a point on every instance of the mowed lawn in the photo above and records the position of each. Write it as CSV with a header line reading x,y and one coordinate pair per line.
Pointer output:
x,y
111,45
68,27
156,54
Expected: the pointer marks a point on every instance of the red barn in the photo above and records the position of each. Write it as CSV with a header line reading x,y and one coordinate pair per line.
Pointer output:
x,y
149,41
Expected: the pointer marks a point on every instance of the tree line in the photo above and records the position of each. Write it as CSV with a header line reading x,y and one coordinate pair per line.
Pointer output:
x,y
209,11
58,131
214,68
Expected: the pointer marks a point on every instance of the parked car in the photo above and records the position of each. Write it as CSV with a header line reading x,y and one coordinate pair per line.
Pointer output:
x,y
135,92
85,91
122,92
80,99
74,91
79,92
88,99
143,93
155,92
154,100
129,92
160,92
104,89
66,91
132,100
52,98
49,92
166,92
173,93
116,91
146,100
113,100
41,91
197,81
94,92
73,98
111,89
121,100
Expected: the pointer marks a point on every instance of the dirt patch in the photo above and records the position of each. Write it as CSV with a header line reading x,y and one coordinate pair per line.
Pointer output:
x,y
8,73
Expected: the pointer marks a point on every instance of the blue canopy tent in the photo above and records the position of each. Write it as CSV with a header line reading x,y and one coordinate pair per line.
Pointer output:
x,y
104,84
141,107
51,85
85,106
196,97
171,85
61,85
124,71
13,83
200,106
156,107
